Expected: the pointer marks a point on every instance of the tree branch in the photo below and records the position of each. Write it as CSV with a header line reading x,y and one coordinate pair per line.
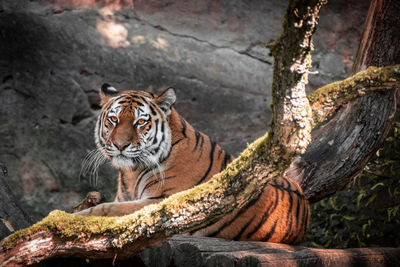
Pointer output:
x,y
61,233
328,98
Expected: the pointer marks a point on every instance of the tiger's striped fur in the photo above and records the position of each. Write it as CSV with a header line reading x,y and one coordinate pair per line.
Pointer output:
x,y
280,214
158,154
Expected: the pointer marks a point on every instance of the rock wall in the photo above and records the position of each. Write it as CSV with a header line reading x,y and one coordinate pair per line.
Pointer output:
x,y
54,56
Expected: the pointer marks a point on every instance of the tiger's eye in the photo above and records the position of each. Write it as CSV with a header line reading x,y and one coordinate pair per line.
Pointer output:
x,y
141,122
114,119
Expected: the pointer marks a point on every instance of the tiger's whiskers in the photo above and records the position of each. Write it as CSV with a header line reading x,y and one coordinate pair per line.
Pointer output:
x,y
91,164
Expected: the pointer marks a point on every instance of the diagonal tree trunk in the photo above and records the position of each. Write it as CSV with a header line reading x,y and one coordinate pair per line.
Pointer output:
x,y
276,153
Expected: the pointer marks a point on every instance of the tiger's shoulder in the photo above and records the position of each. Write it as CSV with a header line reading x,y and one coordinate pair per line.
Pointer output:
x,y
196,153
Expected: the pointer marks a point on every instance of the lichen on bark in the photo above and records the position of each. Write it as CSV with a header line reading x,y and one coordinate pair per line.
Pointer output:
x,y
291,121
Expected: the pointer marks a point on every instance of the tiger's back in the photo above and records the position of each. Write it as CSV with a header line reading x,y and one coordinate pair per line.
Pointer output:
x,y
158,154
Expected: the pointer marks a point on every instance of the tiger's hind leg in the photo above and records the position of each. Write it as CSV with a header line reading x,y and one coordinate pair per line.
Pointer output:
x,y
279,214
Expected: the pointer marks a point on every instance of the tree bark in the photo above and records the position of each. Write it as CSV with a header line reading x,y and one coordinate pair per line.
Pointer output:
x,y
291,120
379,44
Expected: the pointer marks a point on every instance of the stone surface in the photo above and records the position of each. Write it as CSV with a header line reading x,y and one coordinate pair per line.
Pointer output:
x,y
54,57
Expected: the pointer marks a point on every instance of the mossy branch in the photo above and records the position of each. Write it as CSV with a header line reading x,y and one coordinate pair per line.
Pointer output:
x,y
329,97
244,179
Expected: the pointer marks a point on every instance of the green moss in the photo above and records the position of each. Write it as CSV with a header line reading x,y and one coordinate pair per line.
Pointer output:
x,y
66,225
370,79
219,182
330,96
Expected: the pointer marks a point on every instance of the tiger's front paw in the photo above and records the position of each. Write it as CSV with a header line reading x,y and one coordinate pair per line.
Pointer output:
x,y
85,212
99,210
92,199
105,209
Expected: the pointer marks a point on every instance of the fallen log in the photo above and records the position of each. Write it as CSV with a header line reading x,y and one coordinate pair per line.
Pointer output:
x,y
202,251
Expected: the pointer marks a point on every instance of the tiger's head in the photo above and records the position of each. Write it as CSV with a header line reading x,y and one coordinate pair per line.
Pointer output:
x,y
132,129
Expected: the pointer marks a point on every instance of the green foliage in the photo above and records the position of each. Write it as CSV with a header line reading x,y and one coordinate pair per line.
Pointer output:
x,y
368,212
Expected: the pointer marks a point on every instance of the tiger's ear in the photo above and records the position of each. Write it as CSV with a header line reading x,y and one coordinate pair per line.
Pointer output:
x,y
166,100
106,92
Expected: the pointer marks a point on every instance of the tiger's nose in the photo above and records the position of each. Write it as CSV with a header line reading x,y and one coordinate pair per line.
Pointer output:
x,y
121,146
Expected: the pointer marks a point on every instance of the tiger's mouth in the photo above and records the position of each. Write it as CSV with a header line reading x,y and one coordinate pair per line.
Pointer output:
x,y
122,161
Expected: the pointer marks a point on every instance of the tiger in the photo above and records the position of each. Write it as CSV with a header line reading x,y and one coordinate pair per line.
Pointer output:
x,y
158,153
